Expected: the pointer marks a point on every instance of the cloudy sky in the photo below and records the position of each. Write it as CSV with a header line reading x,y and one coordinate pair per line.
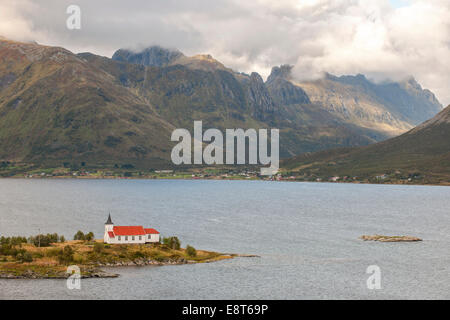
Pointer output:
x,y
384,39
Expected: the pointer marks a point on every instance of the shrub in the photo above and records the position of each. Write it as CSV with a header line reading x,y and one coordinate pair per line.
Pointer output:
x,y
23,256
138,255
27,257
98,247
191,251
6,249
78,258
172,242
53,252
19,257
37,255
66,255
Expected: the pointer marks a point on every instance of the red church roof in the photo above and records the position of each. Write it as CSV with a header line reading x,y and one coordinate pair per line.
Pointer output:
x,y
129,231
151,231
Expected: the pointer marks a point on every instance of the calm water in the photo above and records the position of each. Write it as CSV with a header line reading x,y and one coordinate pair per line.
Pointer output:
x,y
306,233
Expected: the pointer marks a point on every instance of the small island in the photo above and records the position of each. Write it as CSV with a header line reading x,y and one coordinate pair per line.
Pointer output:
x,y
381,238
49,256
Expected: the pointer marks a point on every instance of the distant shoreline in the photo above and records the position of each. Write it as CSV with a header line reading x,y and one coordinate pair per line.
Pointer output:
x,y
443,184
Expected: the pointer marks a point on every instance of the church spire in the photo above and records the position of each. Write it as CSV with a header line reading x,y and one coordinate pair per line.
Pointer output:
x,y
109,220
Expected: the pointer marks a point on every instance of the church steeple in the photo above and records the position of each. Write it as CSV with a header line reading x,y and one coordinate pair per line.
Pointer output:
x,y
109,221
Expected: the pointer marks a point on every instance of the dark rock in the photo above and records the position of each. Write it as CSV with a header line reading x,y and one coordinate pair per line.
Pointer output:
x,y
152,56
259,98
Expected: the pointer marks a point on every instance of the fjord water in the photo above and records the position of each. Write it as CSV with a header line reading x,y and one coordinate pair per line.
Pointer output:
x,y
306,234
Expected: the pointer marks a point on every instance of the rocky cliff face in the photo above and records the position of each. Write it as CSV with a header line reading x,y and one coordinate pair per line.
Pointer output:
x,y
406,99
152,56
283,91
259,98
392,108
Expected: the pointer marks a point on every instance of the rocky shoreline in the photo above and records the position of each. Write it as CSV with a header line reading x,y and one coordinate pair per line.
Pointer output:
x,y
96,272
29,274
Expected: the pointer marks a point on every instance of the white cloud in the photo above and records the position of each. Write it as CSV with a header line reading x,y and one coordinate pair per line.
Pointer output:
x,y
337,36
12,24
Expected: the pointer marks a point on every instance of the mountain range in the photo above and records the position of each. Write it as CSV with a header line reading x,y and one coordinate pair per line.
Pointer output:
x,y
57,106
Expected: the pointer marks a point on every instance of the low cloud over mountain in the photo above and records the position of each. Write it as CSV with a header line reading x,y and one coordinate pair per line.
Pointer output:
x,y
371,37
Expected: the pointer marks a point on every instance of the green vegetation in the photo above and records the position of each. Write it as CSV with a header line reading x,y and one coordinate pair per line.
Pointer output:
x,y
66,255
421,156
99,247
22,258
85,237
41,240
13,240
191,251
172,242
120,125
45,240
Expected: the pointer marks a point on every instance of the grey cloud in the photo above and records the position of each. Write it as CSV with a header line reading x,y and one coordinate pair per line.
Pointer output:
x,y
336,36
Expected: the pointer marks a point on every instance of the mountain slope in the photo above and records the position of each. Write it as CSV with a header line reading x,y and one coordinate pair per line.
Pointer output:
x,y
390,108
423,152
224,99
56,106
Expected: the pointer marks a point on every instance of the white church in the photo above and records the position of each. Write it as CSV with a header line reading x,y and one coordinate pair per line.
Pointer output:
x,y
129,234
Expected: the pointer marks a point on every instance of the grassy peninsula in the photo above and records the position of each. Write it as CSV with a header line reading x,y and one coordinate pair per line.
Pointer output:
x,y
26,260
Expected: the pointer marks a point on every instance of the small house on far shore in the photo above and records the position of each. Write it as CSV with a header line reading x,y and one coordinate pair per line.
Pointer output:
x,y
129,234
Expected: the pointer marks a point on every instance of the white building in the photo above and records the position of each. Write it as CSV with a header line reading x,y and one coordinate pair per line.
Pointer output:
x,y
128,234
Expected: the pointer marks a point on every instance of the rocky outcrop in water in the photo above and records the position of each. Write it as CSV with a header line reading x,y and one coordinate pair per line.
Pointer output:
x,y
390,238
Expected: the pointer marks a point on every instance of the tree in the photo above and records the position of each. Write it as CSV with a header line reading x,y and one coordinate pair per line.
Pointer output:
x,y
172,242
44,240
191,251
89,236
79,236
